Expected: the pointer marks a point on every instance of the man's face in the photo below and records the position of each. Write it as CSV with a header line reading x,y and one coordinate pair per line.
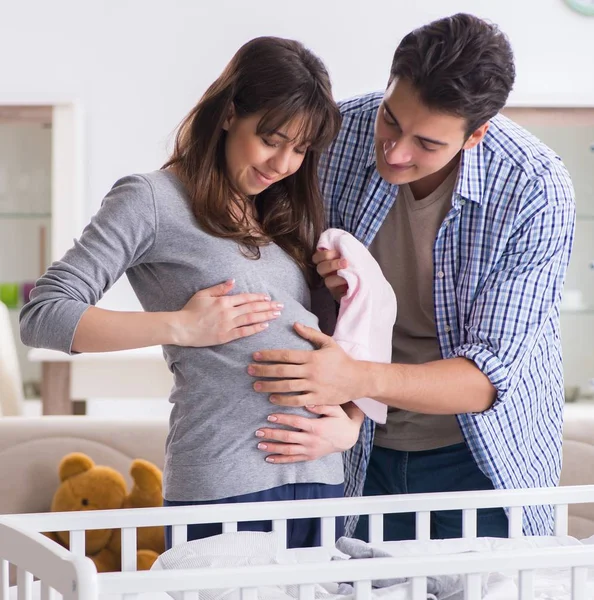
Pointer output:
x,y
413,142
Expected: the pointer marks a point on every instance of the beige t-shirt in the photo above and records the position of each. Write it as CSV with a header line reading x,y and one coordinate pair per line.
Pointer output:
x,y
403,248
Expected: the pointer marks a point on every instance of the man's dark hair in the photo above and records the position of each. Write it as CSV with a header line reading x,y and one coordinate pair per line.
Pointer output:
x,y
459,65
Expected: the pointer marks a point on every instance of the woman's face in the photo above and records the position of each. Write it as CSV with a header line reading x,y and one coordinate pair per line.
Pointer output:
x,y
254,161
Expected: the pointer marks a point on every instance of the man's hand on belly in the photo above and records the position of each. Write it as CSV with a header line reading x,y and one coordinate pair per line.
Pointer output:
x,y
327,376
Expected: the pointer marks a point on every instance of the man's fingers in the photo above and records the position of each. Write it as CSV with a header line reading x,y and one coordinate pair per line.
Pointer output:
x,y
292,400
315,336
280,371
325,255
281,387
327,267
294,357
335,282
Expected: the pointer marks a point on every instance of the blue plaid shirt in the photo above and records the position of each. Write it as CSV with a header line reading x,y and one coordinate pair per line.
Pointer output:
x,y
500,259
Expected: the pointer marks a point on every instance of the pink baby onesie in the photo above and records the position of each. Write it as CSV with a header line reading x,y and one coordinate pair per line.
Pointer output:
x,y
367,312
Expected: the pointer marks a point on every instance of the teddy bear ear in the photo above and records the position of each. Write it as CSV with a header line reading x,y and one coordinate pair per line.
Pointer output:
x,y
74,464
146,475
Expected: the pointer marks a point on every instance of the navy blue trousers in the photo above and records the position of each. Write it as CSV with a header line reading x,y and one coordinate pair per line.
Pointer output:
x,y
301,533
449,469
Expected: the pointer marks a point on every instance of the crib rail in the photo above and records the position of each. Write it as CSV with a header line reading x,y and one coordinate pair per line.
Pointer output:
x,y
72,575
231,514
362,572
280,513
34,555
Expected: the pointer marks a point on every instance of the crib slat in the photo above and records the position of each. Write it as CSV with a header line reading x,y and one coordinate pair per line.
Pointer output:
x,y
376,528
423,525
526,585
24,585
561,519
328,532
279,526
179,534
47,592
230,527
579,580
419,588
469,523
473,587
515,521
307,591
129,549
77,542
4,591
363,590
249,594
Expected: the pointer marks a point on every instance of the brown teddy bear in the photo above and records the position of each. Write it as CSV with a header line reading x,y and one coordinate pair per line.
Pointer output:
x,y
86,486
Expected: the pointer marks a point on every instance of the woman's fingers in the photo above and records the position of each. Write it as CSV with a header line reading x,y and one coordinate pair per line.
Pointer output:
x,y
256,307
241,299
255,317
243,332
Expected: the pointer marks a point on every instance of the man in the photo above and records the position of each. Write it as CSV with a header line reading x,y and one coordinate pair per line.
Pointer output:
x,y
472,220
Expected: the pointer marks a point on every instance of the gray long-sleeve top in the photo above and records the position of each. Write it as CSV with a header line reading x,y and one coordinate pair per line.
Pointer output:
x,y
145,228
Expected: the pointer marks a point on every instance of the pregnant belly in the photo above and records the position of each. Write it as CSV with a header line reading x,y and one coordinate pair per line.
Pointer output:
x,y
280,334
216,410
198,370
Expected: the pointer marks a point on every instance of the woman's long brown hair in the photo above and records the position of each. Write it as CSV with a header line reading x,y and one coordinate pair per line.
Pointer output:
x,y
286,83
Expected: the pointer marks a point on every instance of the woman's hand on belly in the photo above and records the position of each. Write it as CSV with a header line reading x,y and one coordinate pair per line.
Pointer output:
x,y
211,317
336,430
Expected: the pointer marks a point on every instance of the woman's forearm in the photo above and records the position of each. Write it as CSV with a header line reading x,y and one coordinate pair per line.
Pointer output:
x,y
101,330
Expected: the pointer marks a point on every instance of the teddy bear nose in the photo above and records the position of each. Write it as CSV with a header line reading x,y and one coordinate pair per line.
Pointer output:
x,y
85,502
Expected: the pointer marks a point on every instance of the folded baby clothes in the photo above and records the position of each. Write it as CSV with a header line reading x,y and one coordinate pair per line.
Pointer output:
x,y
367,311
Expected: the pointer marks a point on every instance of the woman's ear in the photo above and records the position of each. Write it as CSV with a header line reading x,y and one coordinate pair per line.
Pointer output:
x,y
230,117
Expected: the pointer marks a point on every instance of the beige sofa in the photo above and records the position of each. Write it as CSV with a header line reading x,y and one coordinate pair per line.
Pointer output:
x,y
31,448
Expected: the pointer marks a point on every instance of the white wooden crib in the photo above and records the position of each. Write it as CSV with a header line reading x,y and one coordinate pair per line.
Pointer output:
x,y
69,573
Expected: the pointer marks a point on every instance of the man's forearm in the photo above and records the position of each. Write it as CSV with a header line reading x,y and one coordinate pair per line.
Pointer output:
x,y
450,386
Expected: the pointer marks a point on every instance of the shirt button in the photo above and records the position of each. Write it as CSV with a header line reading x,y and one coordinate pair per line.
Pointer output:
x,y
447,329
447,224
462,202
440,274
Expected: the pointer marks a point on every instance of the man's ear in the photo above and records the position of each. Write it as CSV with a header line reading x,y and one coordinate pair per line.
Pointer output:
x,y
230,117
476,137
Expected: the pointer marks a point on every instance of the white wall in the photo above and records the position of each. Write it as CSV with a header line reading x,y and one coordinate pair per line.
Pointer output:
x,y
137,66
